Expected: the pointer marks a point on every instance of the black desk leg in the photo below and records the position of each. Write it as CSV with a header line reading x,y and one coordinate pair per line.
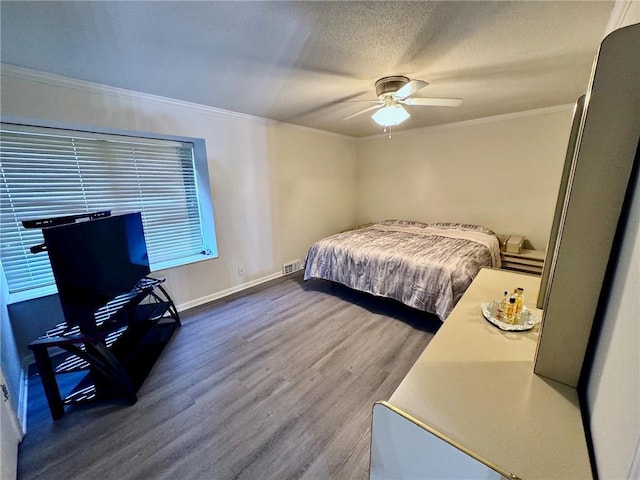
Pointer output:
x,y
48,378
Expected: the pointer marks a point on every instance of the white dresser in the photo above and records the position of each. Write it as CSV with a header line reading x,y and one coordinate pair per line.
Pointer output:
x,y
471,406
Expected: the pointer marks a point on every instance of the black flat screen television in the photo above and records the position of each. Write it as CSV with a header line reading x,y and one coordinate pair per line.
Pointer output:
x,y
94,261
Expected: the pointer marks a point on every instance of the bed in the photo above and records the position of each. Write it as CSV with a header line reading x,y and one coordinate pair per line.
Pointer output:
x,y
427,266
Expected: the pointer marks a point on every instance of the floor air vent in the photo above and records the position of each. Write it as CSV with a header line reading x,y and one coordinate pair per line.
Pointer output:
x,y
291,267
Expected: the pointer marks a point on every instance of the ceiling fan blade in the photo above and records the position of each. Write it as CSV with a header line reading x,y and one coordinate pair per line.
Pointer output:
x,y
410,88
362,111
433,102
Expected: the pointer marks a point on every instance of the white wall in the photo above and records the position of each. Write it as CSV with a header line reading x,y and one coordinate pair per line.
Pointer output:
x,y
501,172
10,376
613,386
11,362
613,391
275,187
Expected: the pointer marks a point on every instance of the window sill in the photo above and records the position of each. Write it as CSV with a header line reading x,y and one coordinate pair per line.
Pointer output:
x,y
156,267
52,289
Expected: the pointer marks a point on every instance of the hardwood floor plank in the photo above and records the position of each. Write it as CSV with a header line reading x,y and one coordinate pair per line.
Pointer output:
x,y
276,382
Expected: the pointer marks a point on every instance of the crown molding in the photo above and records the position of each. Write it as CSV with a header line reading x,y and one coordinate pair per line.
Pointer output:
x,y
27,74
479,121
56,80
37,76
618,14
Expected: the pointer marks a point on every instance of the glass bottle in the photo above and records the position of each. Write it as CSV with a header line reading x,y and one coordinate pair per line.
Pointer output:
x,y
519,300
502,307
511,310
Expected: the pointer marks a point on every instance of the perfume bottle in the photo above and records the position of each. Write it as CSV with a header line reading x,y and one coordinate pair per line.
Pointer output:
x,y
519,300
511,310
502,307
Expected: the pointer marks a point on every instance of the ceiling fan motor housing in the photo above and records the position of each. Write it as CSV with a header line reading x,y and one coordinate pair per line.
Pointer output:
x,y
389,85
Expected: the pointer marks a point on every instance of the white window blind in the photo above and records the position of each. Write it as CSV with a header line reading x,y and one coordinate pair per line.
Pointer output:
x,y
52,173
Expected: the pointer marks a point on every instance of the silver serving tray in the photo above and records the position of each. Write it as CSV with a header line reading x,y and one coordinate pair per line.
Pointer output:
x,y
525,321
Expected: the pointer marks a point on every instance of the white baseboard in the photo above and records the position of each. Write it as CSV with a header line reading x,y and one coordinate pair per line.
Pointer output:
x,y
225,293
23,395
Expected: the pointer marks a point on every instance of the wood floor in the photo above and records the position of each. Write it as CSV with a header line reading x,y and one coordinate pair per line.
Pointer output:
x,y
274,383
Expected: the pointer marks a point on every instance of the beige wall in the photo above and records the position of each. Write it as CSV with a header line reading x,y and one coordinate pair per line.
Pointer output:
x,y
613,391
10,377
275,187
613,386
501,172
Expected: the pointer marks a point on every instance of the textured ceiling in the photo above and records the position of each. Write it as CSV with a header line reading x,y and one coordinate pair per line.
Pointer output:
x,y
299,62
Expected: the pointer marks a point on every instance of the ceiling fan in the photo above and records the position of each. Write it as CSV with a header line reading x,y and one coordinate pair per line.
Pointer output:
x,y
395,91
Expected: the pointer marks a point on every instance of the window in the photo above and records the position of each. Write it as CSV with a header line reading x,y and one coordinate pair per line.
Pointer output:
x,y
48,172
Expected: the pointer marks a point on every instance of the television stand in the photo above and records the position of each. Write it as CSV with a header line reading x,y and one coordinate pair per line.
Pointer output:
x,y
130,333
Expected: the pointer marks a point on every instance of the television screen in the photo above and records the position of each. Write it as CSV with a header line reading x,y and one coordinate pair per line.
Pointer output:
x,y
95,260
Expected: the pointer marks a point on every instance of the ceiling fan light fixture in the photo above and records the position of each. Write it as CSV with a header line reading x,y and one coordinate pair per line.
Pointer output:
x,y
390,115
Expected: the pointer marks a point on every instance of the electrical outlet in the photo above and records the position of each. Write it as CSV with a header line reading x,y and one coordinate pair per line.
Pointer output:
x,y
240,270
